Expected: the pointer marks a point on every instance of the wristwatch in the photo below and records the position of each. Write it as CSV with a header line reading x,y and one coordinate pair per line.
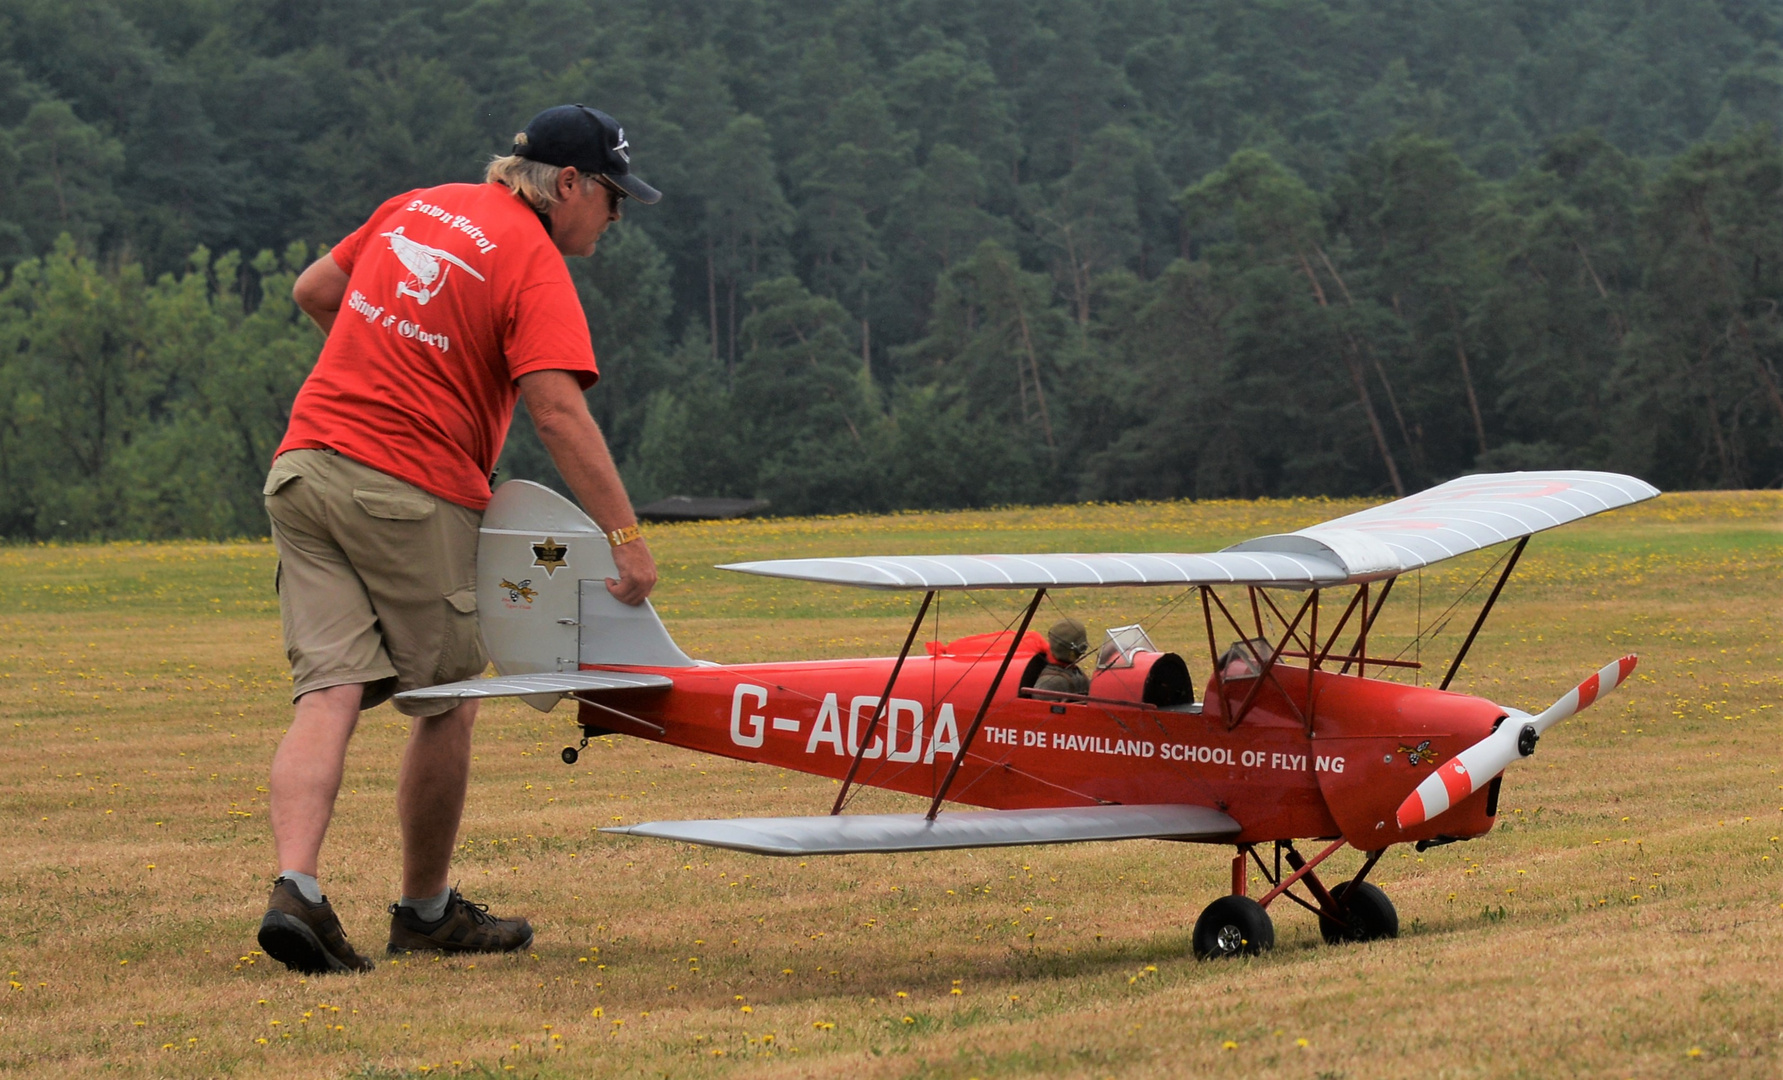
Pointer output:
x,y
625,535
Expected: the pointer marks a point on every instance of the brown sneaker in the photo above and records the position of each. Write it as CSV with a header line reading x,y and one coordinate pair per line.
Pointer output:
x,y
465,927
306,937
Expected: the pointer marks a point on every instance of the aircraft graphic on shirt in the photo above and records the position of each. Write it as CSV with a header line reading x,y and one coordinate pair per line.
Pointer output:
x,y
426,264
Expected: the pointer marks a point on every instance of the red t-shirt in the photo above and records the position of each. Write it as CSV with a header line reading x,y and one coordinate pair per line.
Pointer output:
x,y
453,293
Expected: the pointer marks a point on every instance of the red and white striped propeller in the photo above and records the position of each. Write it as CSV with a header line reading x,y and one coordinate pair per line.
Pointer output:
x,y
1475,766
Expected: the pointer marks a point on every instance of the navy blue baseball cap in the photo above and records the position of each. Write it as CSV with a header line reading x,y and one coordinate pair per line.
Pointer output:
x,y
585,139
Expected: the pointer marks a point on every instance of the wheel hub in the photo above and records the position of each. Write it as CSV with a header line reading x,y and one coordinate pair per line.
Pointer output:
x,y
1230,939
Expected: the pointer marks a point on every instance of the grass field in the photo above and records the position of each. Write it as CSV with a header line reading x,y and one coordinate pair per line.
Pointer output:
x,y
1624,919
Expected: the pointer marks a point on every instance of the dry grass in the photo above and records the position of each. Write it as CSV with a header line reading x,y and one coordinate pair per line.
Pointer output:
x,y
1625,919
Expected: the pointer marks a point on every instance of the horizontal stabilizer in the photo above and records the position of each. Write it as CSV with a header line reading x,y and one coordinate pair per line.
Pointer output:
x,y
532,686
849,834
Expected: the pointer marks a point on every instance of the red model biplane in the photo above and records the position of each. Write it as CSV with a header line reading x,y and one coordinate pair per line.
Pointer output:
x,y
1290,740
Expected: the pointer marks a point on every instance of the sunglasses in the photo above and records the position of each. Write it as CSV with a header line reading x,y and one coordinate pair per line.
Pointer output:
x,y
619,194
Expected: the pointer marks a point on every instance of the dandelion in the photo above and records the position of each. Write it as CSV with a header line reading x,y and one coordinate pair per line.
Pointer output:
x,y
1228,1045
1695,1052
910,1020
1302,1043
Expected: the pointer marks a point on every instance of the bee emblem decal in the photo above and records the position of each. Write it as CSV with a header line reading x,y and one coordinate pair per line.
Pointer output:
x,y
1417,755
520,592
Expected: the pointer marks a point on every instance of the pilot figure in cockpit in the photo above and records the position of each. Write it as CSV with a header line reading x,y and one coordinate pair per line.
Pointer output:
x,y
1066,644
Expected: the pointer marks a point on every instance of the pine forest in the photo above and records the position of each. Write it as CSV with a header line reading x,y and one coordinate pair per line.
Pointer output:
x,y
926,254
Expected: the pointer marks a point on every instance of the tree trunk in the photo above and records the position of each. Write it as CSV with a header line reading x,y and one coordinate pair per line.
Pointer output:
x,y
712,297
1416,446
1354,367
1732,293
1616,323
1034,367
1473,401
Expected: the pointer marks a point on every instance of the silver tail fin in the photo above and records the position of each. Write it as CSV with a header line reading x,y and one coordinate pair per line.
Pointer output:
x,y
542,599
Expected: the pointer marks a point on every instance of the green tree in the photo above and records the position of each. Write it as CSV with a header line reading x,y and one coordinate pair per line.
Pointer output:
x,y
1276,264
807,400
1710,329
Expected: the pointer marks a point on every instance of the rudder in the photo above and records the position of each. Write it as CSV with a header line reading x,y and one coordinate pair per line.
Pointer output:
x,y
542,600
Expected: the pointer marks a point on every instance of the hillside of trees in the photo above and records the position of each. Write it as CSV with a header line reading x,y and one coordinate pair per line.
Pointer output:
x,y
916,253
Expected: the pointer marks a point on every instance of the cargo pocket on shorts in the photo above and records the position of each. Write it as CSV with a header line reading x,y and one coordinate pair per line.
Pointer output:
x,y
284,470
397,506
461,656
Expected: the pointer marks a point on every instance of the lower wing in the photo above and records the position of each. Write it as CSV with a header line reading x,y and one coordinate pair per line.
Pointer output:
x,y
860,833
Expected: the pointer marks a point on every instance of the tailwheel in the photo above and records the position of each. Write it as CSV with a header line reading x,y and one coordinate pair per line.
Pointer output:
x,y
1233,926
1366,912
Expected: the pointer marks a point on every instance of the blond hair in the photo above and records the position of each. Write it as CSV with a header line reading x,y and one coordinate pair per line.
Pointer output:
x,y
534,181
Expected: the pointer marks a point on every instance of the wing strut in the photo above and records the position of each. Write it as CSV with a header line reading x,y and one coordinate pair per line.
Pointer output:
x,y
1455,665
1359,652
884,701
983,706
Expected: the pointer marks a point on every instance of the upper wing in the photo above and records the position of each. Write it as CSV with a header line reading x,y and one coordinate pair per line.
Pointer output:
x,y
1056,571
856,833
1460,516
1465,514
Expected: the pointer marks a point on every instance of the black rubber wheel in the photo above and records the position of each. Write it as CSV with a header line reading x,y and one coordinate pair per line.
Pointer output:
x,y
1233,926
1367,915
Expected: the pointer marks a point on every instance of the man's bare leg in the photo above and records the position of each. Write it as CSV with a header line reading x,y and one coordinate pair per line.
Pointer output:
x,y
430,797
306,773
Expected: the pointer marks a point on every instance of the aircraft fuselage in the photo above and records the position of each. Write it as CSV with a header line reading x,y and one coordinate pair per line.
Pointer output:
x,y
1333,762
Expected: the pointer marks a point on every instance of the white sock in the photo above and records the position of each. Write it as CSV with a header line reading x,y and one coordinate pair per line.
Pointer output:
x,y
306,884
430,909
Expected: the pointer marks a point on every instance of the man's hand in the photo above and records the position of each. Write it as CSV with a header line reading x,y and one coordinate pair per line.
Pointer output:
x,y
637,572
559,413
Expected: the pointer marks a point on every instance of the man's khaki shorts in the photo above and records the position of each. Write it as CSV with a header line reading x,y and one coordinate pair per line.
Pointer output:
x,y
377,579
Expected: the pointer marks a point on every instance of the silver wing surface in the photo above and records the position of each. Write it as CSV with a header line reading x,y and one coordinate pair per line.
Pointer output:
x,y
849,834
1056,571
1463,515
540,691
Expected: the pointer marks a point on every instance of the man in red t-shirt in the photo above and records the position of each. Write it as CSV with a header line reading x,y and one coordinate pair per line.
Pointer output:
x,y
443,308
